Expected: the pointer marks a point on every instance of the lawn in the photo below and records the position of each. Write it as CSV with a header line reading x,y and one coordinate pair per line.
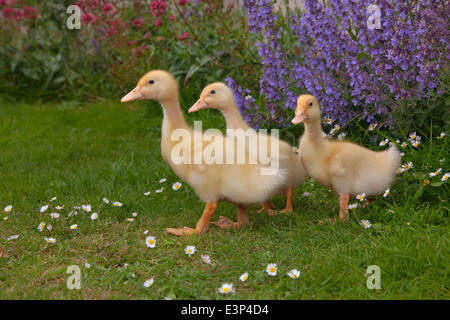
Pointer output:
x,y
82,153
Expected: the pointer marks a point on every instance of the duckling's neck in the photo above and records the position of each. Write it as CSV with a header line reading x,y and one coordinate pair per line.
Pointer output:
x,y
313,131
233,118
173,116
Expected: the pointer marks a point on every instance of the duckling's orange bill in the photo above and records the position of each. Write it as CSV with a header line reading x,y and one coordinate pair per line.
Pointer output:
x,y
300,117
133,95
199,105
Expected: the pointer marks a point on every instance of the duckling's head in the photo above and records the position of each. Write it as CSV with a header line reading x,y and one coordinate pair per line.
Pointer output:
x,y
156,85
308,109
215,96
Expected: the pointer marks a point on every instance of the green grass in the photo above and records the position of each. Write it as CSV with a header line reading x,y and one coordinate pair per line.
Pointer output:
x,y
83,153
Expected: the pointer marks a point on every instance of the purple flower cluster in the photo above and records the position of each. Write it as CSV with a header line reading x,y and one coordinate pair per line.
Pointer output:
x,y
351,68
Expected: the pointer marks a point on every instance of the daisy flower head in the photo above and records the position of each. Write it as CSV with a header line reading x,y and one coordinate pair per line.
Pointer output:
x,y
117,204
433,174
41,226
415,143
445,176
130,219
407,166
73,227
94,216
53,199
361,197
387,192
162,180
426,182
87,265
413,136
226,288
59,207
206,259
404,144
400,170
271,269
148,283
189,250
341,136
8,208
43,208
49,227
86,208
295,149
353,206
150,241
244,277
372,126
384,142
177,185
50,240
147,193
54,215
442,135
159,191
294,274
13,237
366,224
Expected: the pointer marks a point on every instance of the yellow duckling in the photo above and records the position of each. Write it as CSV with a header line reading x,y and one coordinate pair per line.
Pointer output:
x,y
345,168
219,96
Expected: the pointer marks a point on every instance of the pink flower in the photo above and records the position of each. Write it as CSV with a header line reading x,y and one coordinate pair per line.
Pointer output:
x,y
30,13
147,36
158,22
11,13
183,2
108,8
88,18
158,7
183,36
137,23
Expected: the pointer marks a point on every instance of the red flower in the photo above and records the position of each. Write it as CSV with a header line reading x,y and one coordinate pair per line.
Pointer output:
x,y
183,36
183,2
30,13
11,13
137,23
158,7
88,18
108,8
158,22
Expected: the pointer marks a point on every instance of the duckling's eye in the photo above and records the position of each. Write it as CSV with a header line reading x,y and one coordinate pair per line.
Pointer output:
x,y
151,82
213,91
310,104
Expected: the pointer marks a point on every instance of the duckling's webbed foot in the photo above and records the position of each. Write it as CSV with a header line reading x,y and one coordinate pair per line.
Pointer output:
x,y
267,207
225,223
202,224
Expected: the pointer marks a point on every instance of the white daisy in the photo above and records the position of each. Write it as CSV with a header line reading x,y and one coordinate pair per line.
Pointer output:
x,y
341,136
366,224
8,208
54,215
442,135
295,149
86,208
400,170
105,200
59,207
372,126
159,191
130,219
146,231
73,213
73,227
41,226
226,288
150,242
407,166
294,274
134,214
87,265
271,269
94,216
206,259
50,240
413,136
387,192
117,204
49,227
177,185
415,143
53,199
404,144
147,193
445,177
384,142
352,206
162,180
148,283
13,237
189,250
361,197
43,208
244,276
433,174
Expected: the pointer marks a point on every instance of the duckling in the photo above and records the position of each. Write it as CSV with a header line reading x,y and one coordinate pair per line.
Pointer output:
x,y
343,167
212,181
219,96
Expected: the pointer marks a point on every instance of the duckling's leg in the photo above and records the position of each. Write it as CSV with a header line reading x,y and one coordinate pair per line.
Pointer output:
x,y
343,206
289,195
267,207
202,224
225,223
